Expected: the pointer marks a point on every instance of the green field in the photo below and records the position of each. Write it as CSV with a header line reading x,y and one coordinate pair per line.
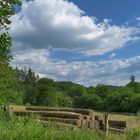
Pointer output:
x,y
28,128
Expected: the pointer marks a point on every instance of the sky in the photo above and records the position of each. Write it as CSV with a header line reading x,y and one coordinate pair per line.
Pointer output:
x,y
87,42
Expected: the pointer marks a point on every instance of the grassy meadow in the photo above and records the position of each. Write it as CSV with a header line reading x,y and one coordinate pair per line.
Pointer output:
x,y
28,128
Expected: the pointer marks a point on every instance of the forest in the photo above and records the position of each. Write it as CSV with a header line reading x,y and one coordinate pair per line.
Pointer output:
x,y
23,86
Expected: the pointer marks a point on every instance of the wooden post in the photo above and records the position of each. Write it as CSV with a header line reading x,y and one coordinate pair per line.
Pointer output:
x,y
106,126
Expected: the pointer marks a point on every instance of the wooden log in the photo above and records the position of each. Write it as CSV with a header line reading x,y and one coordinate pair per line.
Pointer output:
x,y
75,110
79,123
117,130
85,124
87,121
84,117
91,124
57,114
114,123
67,121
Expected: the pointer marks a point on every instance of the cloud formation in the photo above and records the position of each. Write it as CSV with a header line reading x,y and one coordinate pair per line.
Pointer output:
x,y
116,71
61,24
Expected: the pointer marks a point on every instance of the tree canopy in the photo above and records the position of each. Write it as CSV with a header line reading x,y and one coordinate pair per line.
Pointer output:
x,y
7,9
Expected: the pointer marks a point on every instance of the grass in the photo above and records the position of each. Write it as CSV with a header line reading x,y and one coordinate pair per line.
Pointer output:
x,y
28,128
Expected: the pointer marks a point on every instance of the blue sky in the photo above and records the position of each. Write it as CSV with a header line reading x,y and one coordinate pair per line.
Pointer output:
x,y
119,11
87,42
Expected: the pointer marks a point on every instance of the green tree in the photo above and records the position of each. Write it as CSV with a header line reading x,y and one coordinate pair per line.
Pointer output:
x,y
135,103
132,79
46,95
30,83
102,91
88,101
7,9
134,85
76,91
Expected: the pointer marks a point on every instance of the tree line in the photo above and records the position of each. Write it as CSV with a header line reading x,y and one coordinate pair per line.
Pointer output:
x,y
29,89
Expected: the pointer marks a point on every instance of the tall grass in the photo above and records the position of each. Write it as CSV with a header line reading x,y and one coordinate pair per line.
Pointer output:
x,y
28,128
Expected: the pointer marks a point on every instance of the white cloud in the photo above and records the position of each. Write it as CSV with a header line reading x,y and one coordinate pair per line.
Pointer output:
x,y
115,71
61,24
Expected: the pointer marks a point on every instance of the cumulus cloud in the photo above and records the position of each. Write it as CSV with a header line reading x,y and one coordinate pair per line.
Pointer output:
x,y
115,71
61,24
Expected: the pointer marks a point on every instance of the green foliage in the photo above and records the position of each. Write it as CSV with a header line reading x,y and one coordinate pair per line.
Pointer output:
x,y
8,97
135,103
7,9
46,92
76,91
7,79
5,44
28,128
88,101
134,134
102,91
65,101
